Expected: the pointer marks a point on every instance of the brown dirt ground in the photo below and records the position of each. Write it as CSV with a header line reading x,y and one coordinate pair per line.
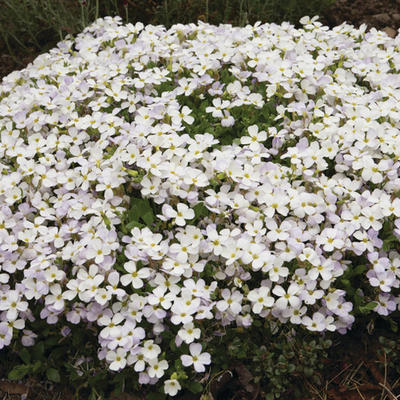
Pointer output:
x,y
375,13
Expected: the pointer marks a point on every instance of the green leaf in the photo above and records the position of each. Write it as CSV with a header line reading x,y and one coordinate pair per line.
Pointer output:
x,y
18,372
172,344
36,366
390,242
59,352
53,375
195,387
25,356
133,224
200,210
148,218
93,395
38,350
359,269
393,326
51,342
140,210
368,307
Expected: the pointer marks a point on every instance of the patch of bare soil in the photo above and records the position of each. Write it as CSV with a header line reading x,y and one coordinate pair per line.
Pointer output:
x,y
379,14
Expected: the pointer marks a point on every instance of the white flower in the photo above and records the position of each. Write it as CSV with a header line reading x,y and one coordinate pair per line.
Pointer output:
x,y
117,359
260,299
331,239
254,137
286,296
171,387
196,358
156,368
189,333
13,304
55,299
93,142
151,350
318,322
183,115
137,357
183,213
217,108
135,277
112,328
231,301
97,249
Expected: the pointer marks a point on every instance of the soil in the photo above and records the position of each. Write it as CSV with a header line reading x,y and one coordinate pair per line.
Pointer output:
x,y
379,14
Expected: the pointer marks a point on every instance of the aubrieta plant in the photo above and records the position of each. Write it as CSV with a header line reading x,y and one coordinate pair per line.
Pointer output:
x,y
162,187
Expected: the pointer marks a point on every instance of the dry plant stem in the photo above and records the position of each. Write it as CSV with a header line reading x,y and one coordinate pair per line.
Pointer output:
x,y
384,378
337,375
321,394
395,383
350,378
361,395
392,395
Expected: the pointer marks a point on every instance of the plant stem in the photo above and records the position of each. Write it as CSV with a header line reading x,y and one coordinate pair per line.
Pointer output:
x,y
82,17
126,14
166,12
241,20
97,10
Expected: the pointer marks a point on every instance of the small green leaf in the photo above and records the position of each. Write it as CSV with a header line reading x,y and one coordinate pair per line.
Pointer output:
x,y
390,242
195,387
38,350
134,224
93,395
368,307
36,366
200,210
107,221
148,218
359,269
18,372
53,375
393,326
25,356
51,342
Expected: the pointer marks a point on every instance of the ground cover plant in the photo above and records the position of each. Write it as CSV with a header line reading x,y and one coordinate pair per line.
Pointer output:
x,y
175,199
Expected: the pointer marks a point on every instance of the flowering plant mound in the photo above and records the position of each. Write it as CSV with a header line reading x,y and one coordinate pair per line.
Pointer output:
x,y
166,183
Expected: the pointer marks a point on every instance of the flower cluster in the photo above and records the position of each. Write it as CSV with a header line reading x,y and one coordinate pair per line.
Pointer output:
x,y
262,227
